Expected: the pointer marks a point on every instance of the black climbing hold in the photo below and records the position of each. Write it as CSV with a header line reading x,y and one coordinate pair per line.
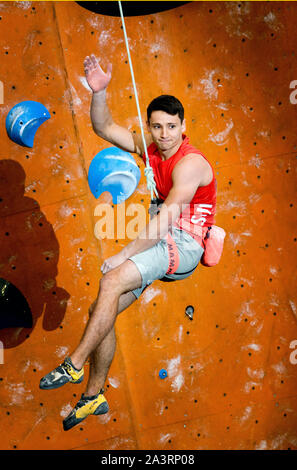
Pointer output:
x,y
14,309
190,311
129,8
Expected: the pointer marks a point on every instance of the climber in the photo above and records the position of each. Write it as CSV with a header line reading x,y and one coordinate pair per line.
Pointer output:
x,y
169,247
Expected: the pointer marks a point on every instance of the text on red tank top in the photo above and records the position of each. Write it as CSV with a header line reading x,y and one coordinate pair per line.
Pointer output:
x,y
201,210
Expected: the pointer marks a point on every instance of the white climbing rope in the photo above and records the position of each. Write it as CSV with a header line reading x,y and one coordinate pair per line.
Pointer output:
x,y
148,171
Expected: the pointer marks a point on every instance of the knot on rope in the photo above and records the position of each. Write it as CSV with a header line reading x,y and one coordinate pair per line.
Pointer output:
x,y
150,181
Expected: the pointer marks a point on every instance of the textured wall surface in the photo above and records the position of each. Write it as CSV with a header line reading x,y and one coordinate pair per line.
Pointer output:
x,y
230,384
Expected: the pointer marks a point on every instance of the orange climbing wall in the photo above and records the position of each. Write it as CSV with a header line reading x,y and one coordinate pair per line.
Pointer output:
x,y
231,383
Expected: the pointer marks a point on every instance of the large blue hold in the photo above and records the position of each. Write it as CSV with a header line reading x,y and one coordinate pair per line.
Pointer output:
x,y
23,120
115,171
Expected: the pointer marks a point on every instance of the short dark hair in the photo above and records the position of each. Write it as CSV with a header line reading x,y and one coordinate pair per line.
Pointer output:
x,y
167,103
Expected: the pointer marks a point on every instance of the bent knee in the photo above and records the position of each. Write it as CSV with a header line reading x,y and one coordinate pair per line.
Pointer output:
x,y
110,281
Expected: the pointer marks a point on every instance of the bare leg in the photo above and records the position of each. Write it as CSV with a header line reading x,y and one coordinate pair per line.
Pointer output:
x,y
101,358
120,280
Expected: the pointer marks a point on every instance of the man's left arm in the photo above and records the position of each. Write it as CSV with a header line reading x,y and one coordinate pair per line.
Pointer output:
x,y
186,178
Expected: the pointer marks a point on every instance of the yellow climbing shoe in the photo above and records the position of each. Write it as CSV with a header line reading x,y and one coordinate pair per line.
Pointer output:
x,y
63,374
94,405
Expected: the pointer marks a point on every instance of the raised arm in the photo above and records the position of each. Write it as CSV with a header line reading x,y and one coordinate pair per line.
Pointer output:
x,y
101,118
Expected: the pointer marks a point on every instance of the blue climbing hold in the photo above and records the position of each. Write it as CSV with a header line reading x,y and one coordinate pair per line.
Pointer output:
x,y
115,171
23,120
163,374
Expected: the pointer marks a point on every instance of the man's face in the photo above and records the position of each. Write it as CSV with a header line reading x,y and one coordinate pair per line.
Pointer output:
x,y
166,130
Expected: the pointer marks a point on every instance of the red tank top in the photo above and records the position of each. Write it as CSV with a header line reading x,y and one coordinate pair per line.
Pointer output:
x,y
200,213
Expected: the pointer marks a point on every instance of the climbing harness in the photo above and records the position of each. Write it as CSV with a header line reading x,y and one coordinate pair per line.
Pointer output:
x,y
151,184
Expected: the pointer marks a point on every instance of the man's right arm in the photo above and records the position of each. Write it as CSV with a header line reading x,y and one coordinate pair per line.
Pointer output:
x,y
101,118
107,129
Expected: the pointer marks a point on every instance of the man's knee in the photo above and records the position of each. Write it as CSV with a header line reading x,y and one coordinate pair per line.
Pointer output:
x,y
124,278
111,281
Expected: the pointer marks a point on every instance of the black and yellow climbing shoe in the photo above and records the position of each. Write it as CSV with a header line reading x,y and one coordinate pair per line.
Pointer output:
x,y
63,374
94,405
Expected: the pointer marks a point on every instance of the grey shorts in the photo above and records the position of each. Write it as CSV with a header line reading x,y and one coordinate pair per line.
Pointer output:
x,y
153,263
